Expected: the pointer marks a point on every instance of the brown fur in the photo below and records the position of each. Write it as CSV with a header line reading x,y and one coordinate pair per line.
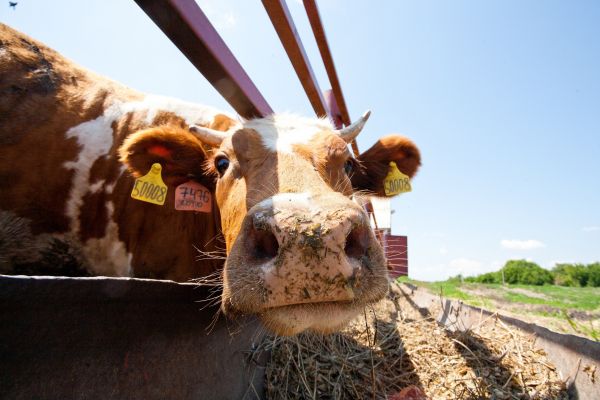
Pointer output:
x,y
38,103
329,155
222,123
186,154
42,96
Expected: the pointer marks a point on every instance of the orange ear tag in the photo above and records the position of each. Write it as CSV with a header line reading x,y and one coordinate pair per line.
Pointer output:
x,y
150,187
396,182
192,196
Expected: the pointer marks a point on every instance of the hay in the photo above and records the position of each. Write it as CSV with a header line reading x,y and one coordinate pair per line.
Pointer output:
x,y
395,345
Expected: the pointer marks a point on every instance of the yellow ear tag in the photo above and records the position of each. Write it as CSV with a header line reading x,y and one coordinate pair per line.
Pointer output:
x,y
150,187
396,182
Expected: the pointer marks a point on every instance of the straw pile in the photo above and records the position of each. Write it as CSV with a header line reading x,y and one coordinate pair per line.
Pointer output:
x,y
396,345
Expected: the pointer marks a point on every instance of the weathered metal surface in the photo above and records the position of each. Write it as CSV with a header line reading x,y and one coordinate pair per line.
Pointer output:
x,y
334,97
112,338
570,354
286,30
190,30
312,11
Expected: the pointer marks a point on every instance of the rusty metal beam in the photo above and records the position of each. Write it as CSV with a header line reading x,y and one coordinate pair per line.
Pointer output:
x,y
312,11
337,100
286,30
190,30
334,97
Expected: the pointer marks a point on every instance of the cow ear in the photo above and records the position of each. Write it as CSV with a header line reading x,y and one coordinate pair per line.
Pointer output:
x,y
180,154
375,163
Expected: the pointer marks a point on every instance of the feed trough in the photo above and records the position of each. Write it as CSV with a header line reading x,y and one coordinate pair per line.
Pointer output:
x,y
416,343
115,338
134,338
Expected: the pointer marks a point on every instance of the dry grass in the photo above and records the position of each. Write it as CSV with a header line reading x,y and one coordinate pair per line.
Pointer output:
x,y
395,345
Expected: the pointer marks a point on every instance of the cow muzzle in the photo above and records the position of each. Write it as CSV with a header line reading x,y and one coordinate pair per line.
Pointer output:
x,y
304,249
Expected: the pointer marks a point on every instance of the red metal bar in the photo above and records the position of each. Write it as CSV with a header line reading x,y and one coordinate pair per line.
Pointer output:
x,y
337,100
190,30
286,30
312,11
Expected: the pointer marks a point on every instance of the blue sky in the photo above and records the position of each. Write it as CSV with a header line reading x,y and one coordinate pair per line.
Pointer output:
x,y
502,97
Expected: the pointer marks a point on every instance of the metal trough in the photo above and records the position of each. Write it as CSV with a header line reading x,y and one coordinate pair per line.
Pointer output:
x,y
120,338
570,354
117,338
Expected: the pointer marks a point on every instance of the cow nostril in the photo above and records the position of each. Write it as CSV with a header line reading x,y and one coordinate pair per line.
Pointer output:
x,y
356,242
265,245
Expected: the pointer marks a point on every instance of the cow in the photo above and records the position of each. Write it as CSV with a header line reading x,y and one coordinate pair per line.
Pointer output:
x,y
278,193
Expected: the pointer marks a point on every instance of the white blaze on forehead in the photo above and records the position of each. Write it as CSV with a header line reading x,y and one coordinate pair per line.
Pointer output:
x,y
279,132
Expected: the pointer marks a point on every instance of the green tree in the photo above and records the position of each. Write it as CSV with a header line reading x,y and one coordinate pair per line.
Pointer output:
x,y
526,273
489,277
571,274
594,274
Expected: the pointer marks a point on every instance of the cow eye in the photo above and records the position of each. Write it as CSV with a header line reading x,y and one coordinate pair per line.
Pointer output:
x,y
348,167
221,164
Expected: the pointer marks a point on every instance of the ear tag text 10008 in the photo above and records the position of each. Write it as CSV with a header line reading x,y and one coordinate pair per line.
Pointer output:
x,y
150,187
396,182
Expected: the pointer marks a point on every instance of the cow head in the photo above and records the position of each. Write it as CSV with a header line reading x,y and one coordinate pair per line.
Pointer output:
x,y
300,251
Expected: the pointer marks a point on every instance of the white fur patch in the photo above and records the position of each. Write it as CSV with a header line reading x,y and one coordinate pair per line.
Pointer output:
x,y
96,186
280,132
193,114
108,255
96,138
284,199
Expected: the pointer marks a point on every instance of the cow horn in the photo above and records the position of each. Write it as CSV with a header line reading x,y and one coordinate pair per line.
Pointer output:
x,y
209,136
350,132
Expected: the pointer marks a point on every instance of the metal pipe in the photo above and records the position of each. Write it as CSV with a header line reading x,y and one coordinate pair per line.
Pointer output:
x,y
190,30
286,30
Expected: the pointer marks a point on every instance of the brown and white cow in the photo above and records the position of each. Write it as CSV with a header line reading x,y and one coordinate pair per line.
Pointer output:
x,y
300,252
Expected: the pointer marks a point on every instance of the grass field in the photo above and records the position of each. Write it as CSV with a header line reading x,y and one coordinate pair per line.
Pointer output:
x,y
563,309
